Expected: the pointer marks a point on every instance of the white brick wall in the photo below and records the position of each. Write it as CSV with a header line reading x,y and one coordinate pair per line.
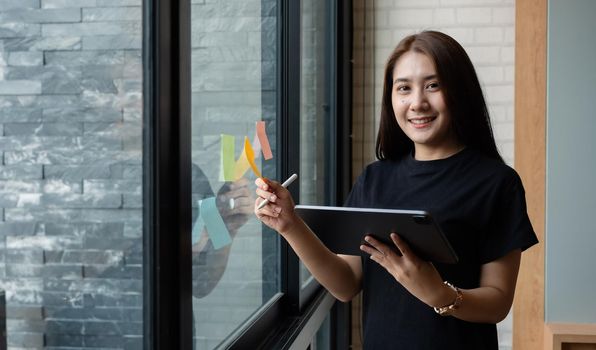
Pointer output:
x,y
486,29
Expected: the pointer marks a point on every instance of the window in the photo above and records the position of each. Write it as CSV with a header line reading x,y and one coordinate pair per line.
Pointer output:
x,y
234,86
218,68
111,122
317,110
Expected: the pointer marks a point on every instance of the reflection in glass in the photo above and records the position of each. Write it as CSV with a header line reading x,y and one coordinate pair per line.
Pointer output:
x,y
315,113
235,260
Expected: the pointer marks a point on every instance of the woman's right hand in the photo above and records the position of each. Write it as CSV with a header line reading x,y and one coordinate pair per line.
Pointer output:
x,y
279,212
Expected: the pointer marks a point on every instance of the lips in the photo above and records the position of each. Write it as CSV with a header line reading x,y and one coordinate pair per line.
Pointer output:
x,y
420,122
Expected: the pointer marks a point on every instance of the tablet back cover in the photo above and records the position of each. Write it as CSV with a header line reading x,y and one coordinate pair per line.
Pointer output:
x,y
342,229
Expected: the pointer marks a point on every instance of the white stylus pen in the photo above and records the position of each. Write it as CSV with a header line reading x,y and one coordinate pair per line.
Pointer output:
x,y
285,185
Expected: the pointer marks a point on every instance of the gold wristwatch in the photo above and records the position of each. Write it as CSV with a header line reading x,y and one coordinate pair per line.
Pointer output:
x,y
448,309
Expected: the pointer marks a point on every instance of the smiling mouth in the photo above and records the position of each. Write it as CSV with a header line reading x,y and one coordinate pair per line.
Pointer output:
x,y
421,121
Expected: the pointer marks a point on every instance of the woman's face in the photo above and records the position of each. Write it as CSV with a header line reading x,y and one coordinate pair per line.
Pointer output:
x,y
419,107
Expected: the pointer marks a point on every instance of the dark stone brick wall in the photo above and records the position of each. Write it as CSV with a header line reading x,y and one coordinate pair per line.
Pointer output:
x,y
70,173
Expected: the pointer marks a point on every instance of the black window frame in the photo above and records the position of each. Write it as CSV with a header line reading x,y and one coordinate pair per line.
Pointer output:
x,y
167,216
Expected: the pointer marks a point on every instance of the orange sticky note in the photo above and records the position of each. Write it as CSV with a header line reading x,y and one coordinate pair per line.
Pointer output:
x,y
250,156
263,140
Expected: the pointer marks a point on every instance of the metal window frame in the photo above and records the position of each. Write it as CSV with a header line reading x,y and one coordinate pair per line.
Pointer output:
x,y
167,304
166,175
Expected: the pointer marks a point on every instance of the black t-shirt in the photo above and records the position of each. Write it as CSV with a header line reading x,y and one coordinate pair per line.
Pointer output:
x,y
479,203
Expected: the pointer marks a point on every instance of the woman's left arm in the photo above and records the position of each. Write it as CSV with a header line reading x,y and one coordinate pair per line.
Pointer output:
x,y
489,303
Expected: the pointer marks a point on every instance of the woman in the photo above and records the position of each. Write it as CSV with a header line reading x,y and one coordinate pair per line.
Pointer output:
x,y
437,153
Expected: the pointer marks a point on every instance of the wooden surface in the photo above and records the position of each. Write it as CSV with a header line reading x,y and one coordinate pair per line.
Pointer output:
x,y
530,163
578,346
570,336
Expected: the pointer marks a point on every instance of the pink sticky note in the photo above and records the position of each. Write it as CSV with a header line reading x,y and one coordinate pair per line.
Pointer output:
x,y
256,144
263,140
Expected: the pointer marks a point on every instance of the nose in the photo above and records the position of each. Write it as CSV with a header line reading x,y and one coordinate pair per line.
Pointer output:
x,y
419,101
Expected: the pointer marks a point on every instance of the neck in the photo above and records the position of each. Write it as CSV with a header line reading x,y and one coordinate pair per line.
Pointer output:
x,y
422,152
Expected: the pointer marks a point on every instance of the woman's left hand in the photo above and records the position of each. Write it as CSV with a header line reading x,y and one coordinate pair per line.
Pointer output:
x,y
419,277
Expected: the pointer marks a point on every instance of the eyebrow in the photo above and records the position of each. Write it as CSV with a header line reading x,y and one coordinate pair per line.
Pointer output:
x,y
401,80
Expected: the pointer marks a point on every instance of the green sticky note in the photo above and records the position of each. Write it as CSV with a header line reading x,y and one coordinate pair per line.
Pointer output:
x,y
227,158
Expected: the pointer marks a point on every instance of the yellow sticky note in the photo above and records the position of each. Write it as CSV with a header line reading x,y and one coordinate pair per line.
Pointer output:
x,y
242,164
227,167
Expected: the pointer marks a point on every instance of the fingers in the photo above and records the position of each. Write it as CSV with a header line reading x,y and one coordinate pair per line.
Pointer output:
x,y
269,185
262,183
241,182
270,190
379,252
242,202
401,245
271,212
268,210
237,192
235,198
266,195
238,188
375,246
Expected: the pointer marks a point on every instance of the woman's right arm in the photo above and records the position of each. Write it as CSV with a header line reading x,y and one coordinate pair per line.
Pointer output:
x,y
341,275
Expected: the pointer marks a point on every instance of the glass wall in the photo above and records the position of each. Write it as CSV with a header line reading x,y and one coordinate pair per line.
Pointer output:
x,y
71,176
71,172
234,92
316,107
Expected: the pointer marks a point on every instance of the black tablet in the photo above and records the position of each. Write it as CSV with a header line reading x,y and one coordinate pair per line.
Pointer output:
x,y
342,229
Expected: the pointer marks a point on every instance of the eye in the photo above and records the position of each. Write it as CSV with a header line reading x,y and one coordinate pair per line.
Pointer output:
x,y
402,88
433,86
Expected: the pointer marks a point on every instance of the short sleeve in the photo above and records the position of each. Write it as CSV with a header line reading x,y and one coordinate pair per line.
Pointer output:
x,y
510,225
355,198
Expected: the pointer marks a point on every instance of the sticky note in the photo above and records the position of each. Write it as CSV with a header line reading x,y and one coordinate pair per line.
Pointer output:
x,y
198,226
242,164
263,140
256,144
250,156
227,167
216,228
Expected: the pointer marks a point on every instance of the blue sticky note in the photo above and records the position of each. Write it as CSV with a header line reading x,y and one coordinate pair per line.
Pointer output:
x,y
198,226
216,228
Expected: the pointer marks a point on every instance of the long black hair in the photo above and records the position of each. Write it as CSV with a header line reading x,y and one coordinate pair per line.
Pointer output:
x,y
460,87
